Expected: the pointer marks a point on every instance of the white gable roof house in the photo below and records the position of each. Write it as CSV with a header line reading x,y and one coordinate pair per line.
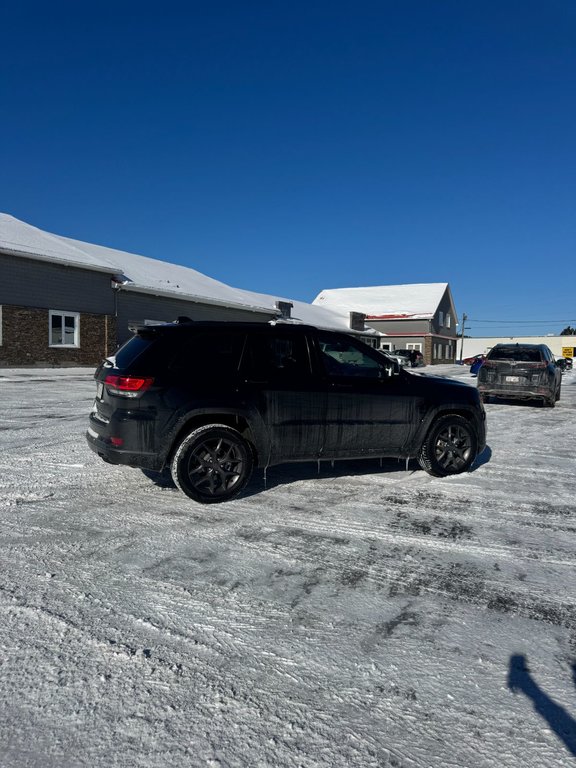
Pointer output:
x,y
418,316
67,302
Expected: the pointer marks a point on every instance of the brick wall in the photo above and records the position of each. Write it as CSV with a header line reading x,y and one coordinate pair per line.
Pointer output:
x,y
428,350
25,339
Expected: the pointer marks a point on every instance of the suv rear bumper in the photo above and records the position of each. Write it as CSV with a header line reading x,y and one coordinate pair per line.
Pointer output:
x,y
113,455
132,432
535,393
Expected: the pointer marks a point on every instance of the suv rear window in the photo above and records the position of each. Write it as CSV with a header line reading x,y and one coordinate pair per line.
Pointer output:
x,y
519,354
129,352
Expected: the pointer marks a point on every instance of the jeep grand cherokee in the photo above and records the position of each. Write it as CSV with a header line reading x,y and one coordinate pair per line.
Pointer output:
x,y
213,400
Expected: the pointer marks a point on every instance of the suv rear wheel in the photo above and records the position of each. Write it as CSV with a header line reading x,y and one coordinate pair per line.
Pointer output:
x,y
450,447
212,464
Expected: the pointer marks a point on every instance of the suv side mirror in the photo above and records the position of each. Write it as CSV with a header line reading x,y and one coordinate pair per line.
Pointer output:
x,y
391,370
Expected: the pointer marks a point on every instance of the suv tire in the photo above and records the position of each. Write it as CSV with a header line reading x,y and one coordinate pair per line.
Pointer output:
x,y
449,448
212,464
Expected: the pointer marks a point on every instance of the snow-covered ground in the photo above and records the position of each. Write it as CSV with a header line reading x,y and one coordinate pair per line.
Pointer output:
x,y
364,615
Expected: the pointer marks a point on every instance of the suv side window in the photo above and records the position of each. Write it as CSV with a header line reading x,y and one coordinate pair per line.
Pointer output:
x,y
215,353
342,357
276,356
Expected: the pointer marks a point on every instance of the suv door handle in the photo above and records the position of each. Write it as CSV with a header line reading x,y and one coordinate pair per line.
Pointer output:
x,y
341,385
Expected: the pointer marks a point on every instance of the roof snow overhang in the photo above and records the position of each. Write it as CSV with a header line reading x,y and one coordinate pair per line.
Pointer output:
x,y
401,316
197,298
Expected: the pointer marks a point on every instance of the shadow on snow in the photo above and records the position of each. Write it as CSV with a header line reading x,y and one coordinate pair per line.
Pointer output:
x,y
558,720
284,474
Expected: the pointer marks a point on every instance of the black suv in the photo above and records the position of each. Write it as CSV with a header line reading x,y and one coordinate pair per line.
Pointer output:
x,y
520,372
213,400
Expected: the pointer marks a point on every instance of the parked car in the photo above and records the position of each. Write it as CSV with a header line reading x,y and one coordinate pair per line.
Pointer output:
x,y
568,363
471,360
213,400
520,371
476,364
414,358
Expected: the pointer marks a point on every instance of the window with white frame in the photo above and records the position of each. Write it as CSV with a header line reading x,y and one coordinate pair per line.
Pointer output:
x,y
440,318
448,320
414,345
63,329
386,347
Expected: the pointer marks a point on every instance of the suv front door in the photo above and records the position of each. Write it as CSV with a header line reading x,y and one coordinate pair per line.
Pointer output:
x,y
369,409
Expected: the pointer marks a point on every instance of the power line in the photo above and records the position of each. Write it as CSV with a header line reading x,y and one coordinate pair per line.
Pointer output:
x,y
515,322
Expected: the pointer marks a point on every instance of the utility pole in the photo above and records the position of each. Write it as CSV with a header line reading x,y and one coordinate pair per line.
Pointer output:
x,y
464,318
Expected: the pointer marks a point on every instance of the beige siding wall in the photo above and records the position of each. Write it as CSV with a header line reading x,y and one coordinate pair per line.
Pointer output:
x,y
481,345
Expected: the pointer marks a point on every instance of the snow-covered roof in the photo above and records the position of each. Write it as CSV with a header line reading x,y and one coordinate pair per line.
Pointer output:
x,y
386,302
21,239
142,274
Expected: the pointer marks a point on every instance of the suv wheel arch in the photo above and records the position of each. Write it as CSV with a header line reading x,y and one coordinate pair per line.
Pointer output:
x,y
450,446
237,422
213,463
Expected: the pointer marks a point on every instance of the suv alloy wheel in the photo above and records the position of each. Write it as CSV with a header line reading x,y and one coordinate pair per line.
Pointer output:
x,y
213,463
450,447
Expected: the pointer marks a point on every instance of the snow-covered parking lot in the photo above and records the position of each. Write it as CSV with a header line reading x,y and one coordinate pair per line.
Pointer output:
x,y
362,615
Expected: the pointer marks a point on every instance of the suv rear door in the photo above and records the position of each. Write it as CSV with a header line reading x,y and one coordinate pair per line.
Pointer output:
x,y
277,376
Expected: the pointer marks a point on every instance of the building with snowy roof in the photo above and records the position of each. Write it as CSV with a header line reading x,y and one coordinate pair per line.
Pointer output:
x,y
420,316
67,302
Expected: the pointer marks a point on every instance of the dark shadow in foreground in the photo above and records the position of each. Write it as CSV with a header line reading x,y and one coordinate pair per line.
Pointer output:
x,y
563,725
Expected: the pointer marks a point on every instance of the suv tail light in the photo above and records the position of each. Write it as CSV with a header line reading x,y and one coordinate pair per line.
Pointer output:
x,y
127,386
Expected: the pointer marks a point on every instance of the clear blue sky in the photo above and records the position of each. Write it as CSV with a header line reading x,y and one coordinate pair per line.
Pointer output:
x,y
287,147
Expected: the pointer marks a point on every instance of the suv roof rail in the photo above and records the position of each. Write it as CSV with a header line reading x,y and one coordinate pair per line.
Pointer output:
x,y
145,325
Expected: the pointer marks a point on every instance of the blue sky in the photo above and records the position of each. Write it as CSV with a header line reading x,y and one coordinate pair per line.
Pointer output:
x,y
290,147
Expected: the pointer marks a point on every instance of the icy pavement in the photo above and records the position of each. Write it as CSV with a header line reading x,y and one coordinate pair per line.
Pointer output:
x,y
362,616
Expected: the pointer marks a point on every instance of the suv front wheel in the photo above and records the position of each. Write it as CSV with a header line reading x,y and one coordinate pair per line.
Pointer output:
x,y
450,446
212,464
